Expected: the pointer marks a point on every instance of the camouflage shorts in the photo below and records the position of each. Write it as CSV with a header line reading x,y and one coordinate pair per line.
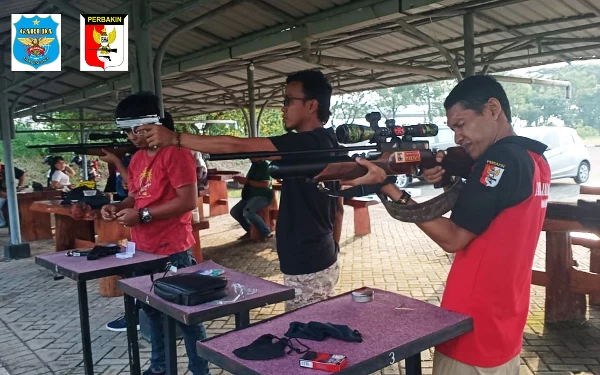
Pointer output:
x,y
312,287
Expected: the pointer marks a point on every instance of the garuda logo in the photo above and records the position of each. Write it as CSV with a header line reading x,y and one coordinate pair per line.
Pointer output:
x,y
36,42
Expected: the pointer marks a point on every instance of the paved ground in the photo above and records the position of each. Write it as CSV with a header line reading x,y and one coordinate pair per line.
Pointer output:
x,y
39,322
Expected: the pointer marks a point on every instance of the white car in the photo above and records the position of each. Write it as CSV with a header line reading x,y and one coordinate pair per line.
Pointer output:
x,y
567,154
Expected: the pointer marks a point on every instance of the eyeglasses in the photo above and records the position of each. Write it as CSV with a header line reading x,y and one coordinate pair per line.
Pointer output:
x,y
288,100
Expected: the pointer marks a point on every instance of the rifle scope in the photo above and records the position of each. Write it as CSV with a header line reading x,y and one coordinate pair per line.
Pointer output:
x,y
352,133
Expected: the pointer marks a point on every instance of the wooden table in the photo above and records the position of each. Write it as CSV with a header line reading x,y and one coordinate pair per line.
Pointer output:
x,y
389,335
34,226
139,288
73,232
81,270
566,286
69,229
218,199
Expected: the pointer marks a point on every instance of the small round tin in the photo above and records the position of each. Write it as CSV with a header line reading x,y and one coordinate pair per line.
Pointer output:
x,y
361,296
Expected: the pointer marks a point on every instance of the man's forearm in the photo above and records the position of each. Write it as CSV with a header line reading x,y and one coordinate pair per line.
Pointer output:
x,y
441,230
225,144
128,202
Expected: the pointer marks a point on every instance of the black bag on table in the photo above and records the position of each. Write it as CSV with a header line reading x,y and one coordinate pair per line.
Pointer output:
x,y
190,289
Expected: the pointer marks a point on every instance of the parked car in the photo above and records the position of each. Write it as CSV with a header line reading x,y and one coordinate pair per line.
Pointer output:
x,y
567,154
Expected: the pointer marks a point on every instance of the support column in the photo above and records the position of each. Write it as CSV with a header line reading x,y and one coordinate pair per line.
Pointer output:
x,y
469,34
141,17
83,139
15,249
253,126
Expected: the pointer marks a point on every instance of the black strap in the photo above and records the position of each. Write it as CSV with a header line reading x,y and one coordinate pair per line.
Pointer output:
x,y
362,190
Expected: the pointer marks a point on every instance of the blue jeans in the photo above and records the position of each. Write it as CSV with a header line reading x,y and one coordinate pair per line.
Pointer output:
x,y
245,212
191,334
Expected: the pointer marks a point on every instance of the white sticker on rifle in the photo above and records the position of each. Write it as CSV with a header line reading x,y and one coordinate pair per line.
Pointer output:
x,y
407,156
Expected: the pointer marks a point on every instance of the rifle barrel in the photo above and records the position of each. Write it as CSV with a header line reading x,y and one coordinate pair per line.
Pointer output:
x,y
268,154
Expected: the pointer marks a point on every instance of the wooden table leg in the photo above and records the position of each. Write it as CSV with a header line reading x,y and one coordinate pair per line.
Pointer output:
x,y
218,199
34,225
362,221
561,303
110,232
67,229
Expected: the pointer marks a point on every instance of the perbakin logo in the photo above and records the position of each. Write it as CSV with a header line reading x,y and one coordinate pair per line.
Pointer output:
x,y
35,42
104,42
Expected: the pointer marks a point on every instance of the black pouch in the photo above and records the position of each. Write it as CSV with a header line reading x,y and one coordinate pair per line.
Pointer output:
x,y
190,289
103,251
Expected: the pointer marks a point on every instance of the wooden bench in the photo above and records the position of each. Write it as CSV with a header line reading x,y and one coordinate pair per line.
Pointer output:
x,y
362,218
197,247
269,215
589,240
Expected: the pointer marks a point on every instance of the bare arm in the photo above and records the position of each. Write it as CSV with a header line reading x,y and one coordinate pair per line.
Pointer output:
x,y
449,236
69,171
126,203
223,144
21,180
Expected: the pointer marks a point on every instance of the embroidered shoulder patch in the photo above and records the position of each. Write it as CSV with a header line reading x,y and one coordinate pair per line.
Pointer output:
x,y
492,172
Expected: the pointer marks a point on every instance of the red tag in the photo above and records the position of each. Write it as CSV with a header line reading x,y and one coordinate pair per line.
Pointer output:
x,y
407,156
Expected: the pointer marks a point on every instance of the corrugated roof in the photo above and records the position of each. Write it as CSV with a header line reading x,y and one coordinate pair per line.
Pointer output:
x,y
205,66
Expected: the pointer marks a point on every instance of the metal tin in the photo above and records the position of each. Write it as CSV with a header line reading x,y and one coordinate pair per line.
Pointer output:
x,y
363,296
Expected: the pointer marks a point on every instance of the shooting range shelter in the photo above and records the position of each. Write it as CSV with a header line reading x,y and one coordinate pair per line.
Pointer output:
x,y
202,56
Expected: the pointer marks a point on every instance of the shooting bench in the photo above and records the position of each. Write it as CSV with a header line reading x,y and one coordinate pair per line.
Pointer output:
x,y
34,225
197,227
567,285
362,218
218,199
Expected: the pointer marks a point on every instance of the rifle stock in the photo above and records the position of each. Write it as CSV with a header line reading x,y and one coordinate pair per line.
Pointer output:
x,y
455,163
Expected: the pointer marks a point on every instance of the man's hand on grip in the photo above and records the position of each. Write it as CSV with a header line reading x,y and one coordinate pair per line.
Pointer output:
x,y
375,174
434,175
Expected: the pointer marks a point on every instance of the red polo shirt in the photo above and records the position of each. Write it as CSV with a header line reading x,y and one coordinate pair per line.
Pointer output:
x,y
504,204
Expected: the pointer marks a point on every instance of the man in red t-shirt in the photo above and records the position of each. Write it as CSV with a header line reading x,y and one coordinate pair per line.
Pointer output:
x,y
493,230
162,195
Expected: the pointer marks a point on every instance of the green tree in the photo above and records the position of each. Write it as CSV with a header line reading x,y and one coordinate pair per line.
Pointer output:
x,y
348,107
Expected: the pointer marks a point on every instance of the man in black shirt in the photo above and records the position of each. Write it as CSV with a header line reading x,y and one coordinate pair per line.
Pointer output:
x,y
309,221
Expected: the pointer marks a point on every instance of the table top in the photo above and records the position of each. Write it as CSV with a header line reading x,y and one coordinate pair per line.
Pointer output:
x,y
53,206
81,269
267,292
389,334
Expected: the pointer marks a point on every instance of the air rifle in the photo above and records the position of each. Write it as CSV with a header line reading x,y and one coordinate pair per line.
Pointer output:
x,y
395,152
118,148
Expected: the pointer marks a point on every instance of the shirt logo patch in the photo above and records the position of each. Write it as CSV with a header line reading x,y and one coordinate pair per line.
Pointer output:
x,y
492,172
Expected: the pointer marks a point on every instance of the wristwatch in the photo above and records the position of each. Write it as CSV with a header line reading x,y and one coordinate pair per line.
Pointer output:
x,y
145,216
404,198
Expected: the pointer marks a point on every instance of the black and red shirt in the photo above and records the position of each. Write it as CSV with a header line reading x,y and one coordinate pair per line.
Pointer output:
x,y
504,204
